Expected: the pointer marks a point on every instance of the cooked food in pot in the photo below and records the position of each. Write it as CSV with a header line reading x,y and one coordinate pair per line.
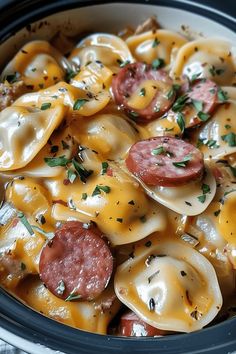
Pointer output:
x,y
118,172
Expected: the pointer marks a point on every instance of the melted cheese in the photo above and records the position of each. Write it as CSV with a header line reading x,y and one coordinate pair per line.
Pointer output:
x,y
124,214
38,64
169,285
150,45
213,135
211,58
103,47
93,316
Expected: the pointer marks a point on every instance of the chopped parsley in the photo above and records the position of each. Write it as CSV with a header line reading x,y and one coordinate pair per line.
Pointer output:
x,y
180,103
142,92
158,63
73,296
172,91
84,196
181,121
229,138
79,103
56,161
203,116
105,166
25,222
198,105
45,106
99,188
183,163
155,43
213,71
81,171
12,78
202,198
71,175
222,95
70,74
205,188
227,126
159,150
48,235
122,63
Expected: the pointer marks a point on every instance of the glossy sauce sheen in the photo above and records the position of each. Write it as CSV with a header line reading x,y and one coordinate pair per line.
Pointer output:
x,y
118,181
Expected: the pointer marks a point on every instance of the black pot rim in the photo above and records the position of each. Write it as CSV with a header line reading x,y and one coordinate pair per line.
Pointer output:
x,y
32,326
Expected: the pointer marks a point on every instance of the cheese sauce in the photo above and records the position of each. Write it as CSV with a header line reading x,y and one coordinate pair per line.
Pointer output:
x,y
63,147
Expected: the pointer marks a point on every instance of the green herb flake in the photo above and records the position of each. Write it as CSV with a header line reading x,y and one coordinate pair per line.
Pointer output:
x,y
79,103
56,161
134,115
120,220
65,146
22,266
45,106
143,218
142,92
203,116
158,63
70,74
54,149
217,212
60,288
206,188
198,105
202,198
48,235
84,196
181,121
155,43
81,170
71,175
148,243
183,163
12,78
105,166
73,296
222,95
33,69
227,126
159,150
99,188
180,103
195,77
229,138
25,222
212,144
122,64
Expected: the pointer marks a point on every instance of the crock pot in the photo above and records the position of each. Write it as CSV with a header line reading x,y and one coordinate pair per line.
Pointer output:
x,y
22,326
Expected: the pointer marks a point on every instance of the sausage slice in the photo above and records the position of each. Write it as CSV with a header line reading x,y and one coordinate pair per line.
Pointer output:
x,y
76,263
132,326
151,88
165,161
